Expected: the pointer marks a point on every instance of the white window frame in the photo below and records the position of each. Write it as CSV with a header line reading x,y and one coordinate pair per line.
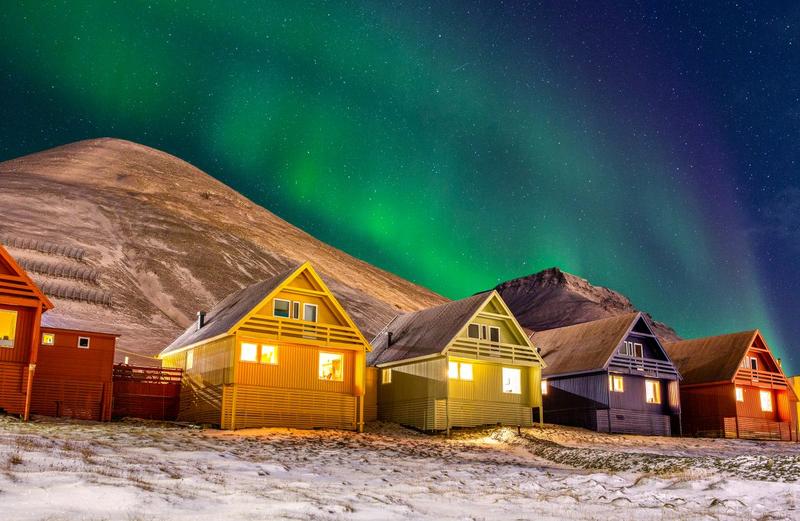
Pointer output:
x,y
88,342
518,386
489,338
319,366
295,309
478,331
739,393
386,376
274,307
768,402
637,346
52,341
316,312
189,359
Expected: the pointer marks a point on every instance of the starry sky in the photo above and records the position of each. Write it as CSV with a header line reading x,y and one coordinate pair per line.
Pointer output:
x,y
649,148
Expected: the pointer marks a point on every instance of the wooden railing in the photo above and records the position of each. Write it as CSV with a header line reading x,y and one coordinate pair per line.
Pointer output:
x,y
757,428
646,366
291,329
156,375
760,378
493,351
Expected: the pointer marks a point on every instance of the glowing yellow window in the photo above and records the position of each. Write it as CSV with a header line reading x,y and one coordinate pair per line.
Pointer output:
x,y
739,394
189,360
331,366
652,390
8,327
544,387
615,384
766,401
48,339
269,355
386,376
465,371
452,370
249,352
512,380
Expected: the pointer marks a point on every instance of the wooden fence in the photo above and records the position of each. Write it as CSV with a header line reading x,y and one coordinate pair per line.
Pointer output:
x,y
146,392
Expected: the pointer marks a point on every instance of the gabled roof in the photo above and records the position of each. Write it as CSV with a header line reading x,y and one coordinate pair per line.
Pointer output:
x,y
711,359
585,347
425,332
28,284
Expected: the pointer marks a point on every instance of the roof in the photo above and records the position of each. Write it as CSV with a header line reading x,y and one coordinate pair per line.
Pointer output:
x,y
53,323
582,347
710,359
229,311
425,332
14,265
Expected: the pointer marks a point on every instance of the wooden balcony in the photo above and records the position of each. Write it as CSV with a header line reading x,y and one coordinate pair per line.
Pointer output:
x,y
493,351
302,332
643,366
766,379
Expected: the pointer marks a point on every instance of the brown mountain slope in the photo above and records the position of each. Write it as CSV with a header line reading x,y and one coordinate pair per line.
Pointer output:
x,y
553,298
130,239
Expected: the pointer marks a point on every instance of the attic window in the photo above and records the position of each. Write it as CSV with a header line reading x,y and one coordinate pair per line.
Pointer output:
x,y
83,342
310,312
280,308
331,366
615,384
8,327
512,380
474,331
494,334
48,339
630,348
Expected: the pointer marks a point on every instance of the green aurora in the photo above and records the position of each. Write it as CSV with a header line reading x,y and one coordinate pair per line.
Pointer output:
x,y
454,150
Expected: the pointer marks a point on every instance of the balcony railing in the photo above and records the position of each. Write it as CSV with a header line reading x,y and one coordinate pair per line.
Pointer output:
x,y
301,331
493,351
646,366
760,378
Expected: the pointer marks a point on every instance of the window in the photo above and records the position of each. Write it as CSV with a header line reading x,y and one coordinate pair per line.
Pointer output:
x,y
452,370
8,327
331,366
295,309
459,371
512,380
739,394
83,342
544,387
766,401
494,334
48,339
652,391
280,308
473,331
310,312
615,384
630,348
189,360
386,376
269,355
249,352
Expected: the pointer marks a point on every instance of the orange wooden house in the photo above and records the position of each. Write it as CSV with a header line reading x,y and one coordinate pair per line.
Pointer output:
x,y
734,388
46,369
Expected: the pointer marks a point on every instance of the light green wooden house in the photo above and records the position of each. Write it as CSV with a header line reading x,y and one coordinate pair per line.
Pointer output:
x,y
462,364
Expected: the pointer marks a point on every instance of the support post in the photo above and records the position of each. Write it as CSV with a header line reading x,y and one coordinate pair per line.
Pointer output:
x,y
32,359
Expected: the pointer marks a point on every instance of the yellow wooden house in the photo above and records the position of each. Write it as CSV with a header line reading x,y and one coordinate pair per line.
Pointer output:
x,y
281,352
462,364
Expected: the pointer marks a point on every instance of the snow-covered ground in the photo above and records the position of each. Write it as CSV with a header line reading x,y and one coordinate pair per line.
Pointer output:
x,y
58,470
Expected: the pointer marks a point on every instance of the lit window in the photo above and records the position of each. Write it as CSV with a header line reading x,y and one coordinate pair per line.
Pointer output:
x,y
652,390
331,366
8,327
512,381
48,339
473,331
739,394
189,360
249,352
615,384
386,376
452,370
465,371
280,308
544,387
766,401
269,355
83,342
310,312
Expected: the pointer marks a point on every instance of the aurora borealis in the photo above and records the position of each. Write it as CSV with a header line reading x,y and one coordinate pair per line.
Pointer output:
x,y
651,150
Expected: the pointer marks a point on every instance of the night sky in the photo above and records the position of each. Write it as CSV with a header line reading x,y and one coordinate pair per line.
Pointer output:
x,y
652,149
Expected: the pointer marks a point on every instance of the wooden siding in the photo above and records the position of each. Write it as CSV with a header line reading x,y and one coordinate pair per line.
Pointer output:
x,y
703,408
757,429
624,421
71,398
410,399
246,406
371,394
146,392
13,381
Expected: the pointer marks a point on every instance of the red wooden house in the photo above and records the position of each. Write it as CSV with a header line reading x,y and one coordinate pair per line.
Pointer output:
x,y
733,387
48,370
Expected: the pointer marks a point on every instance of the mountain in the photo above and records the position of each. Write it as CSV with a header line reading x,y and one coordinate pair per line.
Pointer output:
x,y
129,239
552,298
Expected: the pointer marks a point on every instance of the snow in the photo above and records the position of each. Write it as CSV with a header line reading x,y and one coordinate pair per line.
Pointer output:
x,y
137,470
